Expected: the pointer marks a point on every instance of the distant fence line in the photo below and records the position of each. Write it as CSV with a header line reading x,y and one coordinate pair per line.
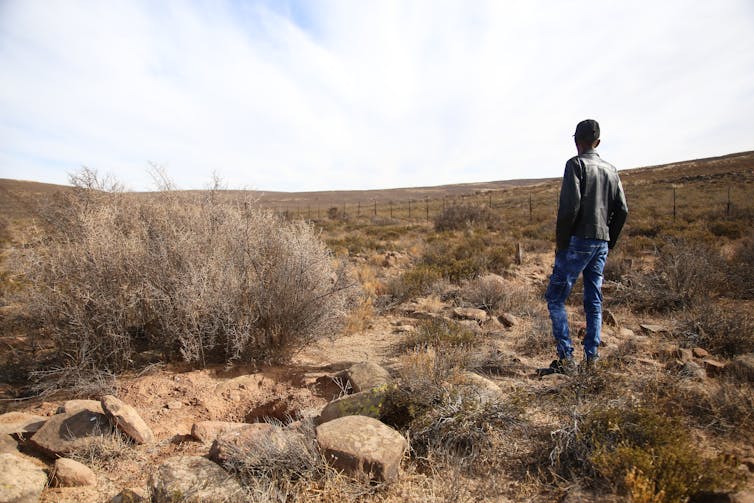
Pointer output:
x,y
668,200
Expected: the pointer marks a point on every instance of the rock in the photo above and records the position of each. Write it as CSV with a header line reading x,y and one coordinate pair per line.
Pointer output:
x,y
742,497
71,431
625,333
742,367
362,445
653,329
260,444
70,473
481,387
207,431
20,422
508,320
174,405
8,444
77,405
367,375
684,354
127,420
231,442
470,313
129,496
471,326
692,370
713,367
700,353
609,317
193,479
21,481
365,403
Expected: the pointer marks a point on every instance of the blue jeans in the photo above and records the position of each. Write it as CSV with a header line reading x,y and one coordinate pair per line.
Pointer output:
x,y
587,256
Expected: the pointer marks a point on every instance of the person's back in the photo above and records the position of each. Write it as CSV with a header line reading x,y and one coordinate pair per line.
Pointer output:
x,y
591,214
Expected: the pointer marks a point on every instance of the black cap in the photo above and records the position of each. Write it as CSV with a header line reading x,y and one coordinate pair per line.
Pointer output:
x,y
587,130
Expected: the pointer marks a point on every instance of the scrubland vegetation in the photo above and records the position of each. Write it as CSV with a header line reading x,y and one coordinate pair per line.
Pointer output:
x,y
109,282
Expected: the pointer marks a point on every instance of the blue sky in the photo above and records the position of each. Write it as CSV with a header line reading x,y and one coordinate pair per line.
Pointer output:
x,y
351,94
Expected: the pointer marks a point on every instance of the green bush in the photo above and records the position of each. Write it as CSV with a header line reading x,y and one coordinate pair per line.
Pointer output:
x,y
467,257
639,452
415,282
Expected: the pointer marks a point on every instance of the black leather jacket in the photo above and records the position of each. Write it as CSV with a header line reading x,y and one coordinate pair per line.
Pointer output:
x,y
592,202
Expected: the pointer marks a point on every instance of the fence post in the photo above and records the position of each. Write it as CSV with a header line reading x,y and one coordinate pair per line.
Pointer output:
x,y
391,209
409,209
426,203
375,207
490,195
728,206
358,209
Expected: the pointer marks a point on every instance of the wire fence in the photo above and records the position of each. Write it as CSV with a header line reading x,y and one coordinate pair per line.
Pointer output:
x,y
672,201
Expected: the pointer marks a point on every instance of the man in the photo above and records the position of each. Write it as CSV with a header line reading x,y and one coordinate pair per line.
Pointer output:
x,y
591,214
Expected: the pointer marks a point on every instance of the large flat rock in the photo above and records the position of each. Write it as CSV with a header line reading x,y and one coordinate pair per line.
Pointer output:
x,y
21,481
193,479
20,422
65,433
362,446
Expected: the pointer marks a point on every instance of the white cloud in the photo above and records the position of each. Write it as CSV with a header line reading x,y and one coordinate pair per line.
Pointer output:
x,y
341,94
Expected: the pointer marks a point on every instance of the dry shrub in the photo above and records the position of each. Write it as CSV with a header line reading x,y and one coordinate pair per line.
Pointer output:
x,y
685,273
640,453
439,333
489,292
106,451
463,217
439,417
723,407
741,275
195,278
289,467
415,282
473,254
722,330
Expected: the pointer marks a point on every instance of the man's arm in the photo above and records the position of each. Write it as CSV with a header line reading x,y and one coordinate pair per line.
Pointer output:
x,y
570,202
618,216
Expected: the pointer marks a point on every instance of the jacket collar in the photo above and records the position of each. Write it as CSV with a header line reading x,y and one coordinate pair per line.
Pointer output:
x,y
591,151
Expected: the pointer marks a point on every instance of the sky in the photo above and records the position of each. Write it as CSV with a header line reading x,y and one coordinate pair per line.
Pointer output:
x,y
366,94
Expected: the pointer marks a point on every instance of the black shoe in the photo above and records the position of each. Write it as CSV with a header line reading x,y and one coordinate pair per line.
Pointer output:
x,y
564,366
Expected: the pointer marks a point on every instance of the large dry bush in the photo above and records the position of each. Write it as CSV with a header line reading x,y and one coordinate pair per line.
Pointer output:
x,y
459,217
723,329
685,273
196,279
